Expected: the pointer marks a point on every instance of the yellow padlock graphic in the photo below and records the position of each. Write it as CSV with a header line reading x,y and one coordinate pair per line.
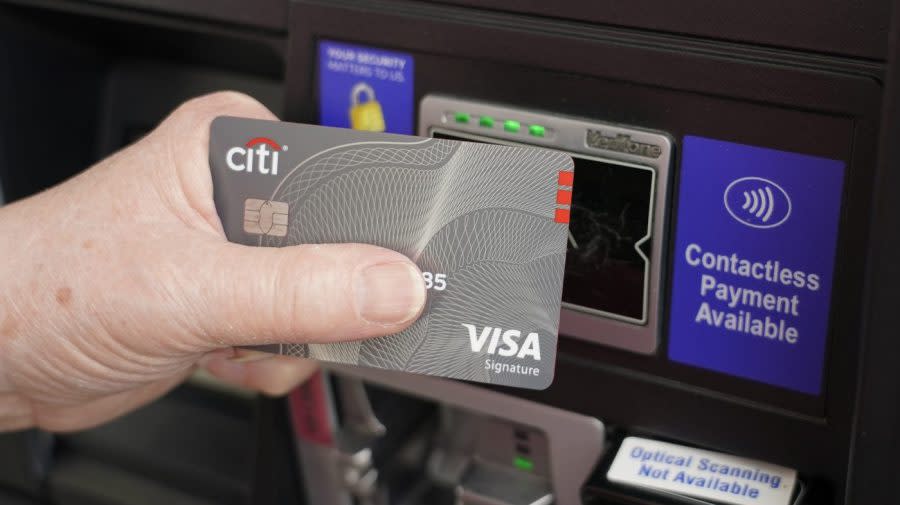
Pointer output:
x,y
365,116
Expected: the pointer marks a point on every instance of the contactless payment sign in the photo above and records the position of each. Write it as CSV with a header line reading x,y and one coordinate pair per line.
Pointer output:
x,y
754,259
365,88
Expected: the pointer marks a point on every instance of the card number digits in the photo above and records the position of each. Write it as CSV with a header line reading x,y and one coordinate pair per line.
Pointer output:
x,y
438,282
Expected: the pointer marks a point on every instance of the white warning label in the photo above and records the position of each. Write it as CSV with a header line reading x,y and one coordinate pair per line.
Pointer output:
x,y
703,474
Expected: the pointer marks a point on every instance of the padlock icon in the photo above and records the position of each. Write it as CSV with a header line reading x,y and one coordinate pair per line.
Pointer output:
x,y
367,115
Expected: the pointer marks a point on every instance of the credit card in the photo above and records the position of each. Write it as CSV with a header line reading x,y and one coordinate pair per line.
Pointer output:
x,y
486,224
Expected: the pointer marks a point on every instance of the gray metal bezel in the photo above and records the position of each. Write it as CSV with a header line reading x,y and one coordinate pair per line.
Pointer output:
x,y
576,442
569,135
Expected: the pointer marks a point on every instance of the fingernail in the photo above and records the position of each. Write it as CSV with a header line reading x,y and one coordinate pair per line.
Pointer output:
x,y
390,293
227,370
249,356
216,355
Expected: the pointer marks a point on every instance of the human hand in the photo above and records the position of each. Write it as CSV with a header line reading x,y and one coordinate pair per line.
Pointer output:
x,y
118,282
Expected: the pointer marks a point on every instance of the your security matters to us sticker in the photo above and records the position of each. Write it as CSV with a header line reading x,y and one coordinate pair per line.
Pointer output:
x,y
486,224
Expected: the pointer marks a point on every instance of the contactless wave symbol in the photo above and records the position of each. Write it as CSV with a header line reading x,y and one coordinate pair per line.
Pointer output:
x,y
757,202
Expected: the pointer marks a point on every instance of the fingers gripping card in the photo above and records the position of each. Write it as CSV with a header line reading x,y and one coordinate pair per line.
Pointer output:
x,y
486,224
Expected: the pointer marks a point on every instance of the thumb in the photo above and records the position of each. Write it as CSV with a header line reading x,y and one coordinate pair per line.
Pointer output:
x,y
309,293
241,295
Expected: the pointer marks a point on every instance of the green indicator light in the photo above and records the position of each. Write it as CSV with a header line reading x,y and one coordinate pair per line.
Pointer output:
x,y
537,130
461,117
511,126
486,121
523,463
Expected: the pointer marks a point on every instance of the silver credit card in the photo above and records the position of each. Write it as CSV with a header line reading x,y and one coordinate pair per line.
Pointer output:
x,y
486,224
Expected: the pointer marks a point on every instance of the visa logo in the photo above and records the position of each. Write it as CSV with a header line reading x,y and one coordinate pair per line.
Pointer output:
x,y
504,343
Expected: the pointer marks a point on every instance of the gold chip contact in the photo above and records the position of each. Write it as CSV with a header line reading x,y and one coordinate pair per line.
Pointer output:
x,y
265,217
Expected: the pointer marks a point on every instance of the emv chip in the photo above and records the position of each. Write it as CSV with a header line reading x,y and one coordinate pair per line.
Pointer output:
x,y
265,217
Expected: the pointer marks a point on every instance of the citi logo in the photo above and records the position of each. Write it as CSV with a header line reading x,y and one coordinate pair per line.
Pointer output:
x,y
504,343
247,159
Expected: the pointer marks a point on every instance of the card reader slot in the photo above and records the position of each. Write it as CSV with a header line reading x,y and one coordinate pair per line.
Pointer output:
x,y
610,233
616,209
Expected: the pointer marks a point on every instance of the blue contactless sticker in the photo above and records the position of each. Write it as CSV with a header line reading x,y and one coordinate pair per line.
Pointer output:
x,y
753,263
351,76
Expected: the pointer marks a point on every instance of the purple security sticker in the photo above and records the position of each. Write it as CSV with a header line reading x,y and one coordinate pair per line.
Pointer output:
x,y
754,255
365,88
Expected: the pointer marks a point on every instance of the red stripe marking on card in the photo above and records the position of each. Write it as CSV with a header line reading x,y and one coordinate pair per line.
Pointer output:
x,y
309,411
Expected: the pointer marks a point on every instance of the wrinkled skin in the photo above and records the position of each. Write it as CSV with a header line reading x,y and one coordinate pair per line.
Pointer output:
x,y
118,282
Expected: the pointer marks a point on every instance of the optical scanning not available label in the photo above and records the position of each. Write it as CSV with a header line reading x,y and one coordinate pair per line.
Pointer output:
x,y
754,256
693,472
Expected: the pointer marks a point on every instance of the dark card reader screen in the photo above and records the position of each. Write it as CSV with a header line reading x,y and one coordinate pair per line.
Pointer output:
x,y
607,265
609,241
